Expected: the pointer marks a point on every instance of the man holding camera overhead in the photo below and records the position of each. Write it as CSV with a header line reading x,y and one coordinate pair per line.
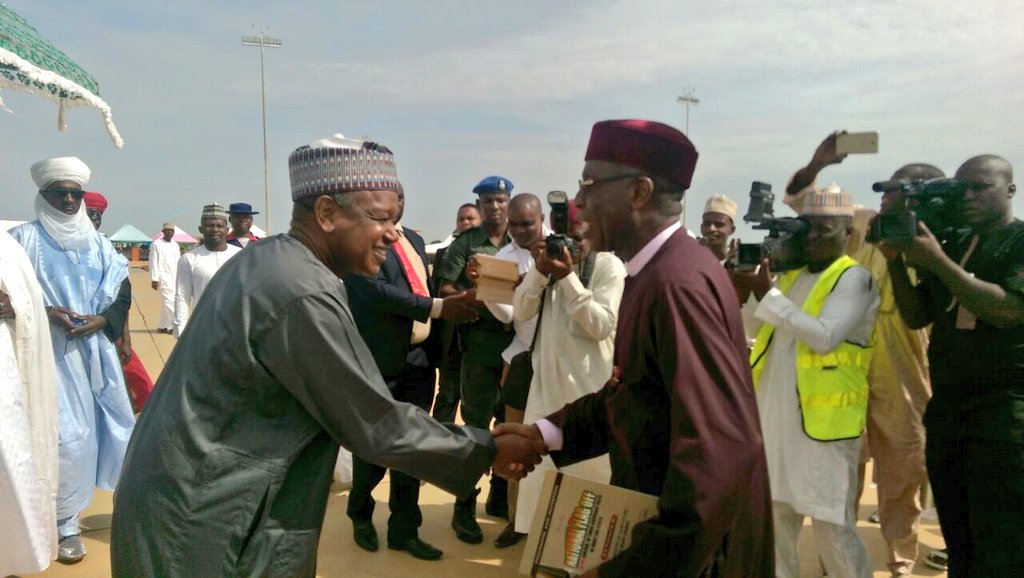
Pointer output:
x,y
972,292
814,327
898,377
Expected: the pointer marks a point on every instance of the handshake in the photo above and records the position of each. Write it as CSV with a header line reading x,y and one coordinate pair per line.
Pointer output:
x,y
520,448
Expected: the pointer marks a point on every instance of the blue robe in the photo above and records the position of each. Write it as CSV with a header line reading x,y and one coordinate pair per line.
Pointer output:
x,y
94,413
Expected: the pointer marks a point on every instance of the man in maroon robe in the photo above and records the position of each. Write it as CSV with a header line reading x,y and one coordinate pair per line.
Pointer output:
x,y
679,416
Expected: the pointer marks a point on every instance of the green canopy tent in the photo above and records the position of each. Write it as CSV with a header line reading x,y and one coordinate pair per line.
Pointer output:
x,y
29,63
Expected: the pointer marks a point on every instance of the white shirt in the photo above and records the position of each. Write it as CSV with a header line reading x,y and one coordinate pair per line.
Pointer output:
x,y
163,261
811,476
195,269
503,312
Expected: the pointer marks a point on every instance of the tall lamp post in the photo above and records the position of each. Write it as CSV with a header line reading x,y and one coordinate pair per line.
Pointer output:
x,y
264,41
687,99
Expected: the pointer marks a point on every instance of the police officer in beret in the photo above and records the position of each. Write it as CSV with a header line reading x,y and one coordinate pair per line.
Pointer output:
x,y
483,340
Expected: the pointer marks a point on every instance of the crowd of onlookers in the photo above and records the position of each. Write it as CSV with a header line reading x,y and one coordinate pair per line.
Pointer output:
x,y
747,395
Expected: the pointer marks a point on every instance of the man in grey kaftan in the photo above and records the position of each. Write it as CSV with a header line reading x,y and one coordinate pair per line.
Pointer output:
x,y
229,469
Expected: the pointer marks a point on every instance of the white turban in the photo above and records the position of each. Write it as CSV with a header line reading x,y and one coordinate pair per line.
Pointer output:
x,y
60,169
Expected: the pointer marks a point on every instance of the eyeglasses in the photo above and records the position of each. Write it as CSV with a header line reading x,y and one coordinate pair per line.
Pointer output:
x,y
60,193
93,213
586,184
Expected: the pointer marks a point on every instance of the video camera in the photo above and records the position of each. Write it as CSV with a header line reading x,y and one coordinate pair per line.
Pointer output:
x,y
784,245
560,239
936,202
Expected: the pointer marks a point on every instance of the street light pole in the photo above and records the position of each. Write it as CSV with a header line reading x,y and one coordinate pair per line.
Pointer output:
x,y
264,41
687,99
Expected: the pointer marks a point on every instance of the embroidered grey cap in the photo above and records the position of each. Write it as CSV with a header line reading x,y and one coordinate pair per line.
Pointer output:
x,y
337,165
214,211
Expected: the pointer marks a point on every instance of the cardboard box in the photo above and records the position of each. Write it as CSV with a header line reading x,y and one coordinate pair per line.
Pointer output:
x,y
579,524
497,281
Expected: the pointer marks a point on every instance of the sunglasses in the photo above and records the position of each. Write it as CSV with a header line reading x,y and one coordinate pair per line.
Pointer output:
x,y
76,194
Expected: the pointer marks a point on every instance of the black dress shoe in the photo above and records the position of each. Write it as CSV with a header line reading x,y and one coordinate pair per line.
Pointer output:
x,y
508,537
464,521
418,548
366,536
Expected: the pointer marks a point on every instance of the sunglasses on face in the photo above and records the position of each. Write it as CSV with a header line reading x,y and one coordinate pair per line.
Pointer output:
x,y
60,193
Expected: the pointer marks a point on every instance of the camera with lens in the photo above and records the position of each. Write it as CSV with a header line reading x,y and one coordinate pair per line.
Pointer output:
x,y
784,245
560,239
936,202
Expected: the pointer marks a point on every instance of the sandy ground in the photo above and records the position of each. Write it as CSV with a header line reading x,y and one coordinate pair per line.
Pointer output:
x,y
340,557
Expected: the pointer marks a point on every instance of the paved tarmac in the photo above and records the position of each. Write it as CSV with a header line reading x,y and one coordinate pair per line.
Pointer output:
x,y
340,557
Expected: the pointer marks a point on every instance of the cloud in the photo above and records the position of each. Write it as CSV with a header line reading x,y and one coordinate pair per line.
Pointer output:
x,y
461,90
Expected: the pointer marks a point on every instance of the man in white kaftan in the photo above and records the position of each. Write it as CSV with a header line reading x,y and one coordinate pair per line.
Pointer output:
x,y
163,270
574,352
813,477
80,274
28,419
198,266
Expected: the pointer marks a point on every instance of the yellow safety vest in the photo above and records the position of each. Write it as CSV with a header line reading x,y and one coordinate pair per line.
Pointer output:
x,y
832,388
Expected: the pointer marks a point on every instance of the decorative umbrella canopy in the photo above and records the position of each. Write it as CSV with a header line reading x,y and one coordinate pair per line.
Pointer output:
x,y
129,234
29,63
179,237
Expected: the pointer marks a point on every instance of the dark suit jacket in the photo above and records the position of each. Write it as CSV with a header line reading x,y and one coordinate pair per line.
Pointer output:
x,y
384,308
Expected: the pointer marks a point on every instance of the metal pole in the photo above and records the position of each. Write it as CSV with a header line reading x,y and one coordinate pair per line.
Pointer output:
x,y
687,99
266,162
263,41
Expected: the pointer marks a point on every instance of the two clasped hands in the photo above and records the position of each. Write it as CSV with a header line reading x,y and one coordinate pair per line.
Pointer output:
x,y
73,324
520,448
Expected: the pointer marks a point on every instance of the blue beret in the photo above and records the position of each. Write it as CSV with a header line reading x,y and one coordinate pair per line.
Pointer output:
x,y
494,185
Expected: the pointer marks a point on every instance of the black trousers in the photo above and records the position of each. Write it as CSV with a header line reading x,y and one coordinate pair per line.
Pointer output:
x,y
979,494
449,385
414,385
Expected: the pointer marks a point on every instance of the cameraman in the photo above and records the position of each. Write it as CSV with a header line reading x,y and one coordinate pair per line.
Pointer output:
x,y
972,292
573,354
897,379
815,330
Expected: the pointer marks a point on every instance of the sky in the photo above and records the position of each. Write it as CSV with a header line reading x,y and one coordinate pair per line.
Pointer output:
x,y
463,90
